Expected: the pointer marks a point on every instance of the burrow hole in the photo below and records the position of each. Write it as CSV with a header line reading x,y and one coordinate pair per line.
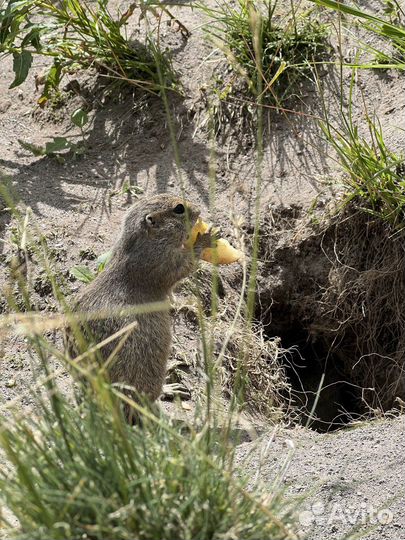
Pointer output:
x,y
338,402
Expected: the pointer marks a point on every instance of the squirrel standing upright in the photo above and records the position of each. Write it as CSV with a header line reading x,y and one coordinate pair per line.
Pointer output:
x,y
147,260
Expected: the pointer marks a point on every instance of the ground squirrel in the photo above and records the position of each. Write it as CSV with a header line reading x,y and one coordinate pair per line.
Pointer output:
x,y
148,259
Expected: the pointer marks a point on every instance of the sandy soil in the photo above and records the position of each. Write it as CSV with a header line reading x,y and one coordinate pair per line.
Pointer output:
x,y
80,204
351,481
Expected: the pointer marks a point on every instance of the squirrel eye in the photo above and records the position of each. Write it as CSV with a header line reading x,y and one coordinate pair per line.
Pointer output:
x,y
179,209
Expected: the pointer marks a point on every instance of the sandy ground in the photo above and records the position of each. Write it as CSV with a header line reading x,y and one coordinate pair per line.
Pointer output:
x,y
80,204
351,481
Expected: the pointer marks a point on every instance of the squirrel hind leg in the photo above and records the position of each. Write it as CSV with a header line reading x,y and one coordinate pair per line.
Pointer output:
x,y
135,418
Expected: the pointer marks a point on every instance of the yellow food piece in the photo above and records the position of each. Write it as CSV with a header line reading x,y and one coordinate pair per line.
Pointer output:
x,y
222,253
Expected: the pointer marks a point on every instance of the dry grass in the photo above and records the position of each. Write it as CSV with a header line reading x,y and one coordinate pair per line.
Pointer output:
x,y
247,367
362,309
252,368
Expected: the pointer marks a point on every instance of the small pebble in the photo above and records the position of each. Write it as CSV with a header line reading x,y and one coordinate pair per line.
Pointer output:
x,y
5,106
186,406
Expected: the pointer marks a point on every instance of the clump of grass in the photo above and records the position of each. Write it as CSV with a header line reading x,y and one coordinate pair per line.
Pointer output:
x,y
253,372
270,56
390,29
247,367
374,179
84,473
80,35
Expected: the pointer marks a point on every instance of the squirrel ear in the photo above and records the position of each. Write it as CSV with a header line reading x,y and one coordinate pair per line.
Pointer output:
x,y
149,220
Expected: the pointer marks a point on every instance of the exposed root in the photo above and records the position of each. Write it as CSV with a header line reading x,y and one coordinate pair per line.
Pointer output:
x,y
337,291
362,311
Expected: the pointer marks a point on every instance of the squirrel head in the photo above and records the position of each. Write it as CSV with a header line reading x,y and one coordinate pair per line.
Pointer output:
x,y
155,229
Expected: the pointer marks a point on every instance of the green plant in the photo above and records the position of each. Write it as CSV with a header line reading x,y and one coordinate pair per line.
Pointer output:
x,y
394,11
273,56
58,146
374,179
79,35
84,274
79,118
391,30
382,59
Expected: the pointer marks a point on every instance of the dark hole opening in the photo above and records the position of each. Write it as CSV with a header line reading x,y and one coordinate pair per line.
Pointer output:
x,y
309,358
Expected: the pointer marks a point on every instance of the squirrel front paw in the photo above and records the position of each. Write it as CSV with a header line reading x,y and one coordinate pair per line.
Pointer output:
x,y
206,240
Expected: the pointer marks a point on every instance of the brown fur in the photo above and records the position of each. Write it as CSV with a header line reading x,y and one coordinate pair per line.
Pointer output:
x,y
148,259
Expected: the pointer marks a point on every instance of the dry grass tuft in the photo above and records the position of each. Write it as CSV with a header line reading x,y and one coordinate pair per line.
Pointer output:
x,y
247,366
253,365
